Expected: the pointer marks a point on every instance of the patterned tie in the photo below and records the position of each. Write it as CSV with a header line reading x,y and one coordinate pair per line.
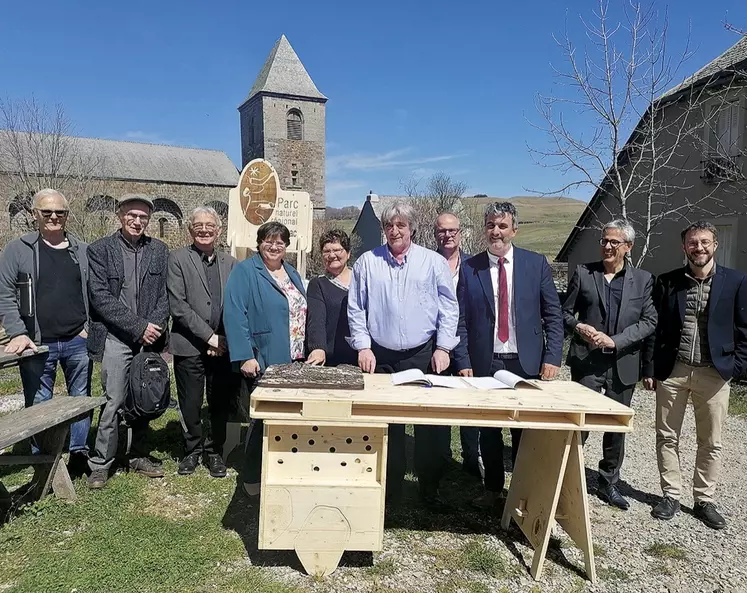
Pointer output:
x,y
502,301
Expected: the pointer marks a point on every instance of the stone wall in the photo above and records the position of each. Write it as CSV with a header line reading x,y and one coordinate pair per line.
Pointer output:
x,y
93,215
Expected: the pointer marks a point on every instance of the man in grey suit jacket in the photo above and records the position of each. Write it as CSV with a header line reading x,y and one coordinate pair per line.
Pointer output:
x,y
129,311
616,314
197,277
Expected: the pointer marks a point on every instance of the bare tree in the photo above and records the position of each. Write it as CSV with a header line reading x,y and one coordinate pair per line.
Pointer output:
x,y
623,127
38,150
438,194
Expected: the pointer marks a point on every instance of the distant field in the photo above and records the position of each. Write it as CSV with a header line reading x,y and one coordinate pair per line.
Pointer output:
x,y
544,223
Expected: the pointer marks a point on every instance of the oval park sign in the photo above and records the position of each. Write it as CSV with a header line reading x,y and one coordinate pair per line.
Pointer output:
x,y
258,189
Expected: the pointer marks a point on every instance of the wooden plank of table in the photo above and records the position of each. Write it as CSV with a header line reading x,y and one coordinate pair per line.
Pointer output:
x,y
554,404
7,360
20,425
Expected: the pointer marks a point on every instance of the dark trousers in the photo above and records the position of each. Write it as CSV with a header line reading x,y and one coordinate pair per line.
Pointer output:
x,y
604,376
491,439
432,443
213,375
470,439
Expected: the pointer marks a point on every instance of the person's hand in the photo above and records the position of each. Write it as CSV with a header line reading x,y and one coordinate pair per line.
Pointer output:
x,y
549,371
466,373
586,331
440,361
649,383
19,344
217,344
317,357
366,360
250,368
83,334
151,333
602,340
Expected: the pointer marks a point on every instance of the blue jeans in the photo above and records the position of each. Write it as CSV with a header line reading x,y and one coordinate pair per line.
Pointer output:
x,y
38,375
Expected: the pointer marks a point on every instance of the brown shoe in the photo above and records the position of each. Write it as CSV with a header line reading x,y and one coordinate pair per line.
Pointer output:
x,y
97,479
147,466
488,501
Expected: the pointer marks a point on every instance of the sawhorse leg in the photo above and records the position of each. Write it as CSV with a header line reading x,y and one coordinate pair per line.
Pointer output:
x,y
548,485
53,475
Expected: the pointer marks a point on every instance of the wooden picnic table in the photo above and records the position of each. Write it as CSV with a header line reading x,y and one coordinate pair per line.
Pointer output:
x,y
50,423
325,450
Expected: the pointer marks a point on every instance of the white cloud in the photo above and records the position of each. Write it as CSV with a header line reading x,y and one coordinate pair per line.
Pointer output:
x,y
394,159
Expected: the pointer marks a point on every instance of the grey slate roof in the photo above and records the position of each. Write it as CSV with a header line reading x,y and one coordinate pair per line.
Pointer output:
x,y
730,59
284,74
116,159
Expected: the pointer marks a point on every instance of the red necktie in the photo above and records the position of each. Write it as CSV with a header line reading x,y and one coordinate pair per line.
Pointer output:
x,y
502,301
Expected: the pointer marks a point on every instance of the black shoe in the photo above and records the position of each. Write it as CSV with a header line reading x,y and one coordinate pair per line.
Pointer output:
x,y
147,466
666,509
611,495
706,512
433,502
188,464
77,465
215,465
98,478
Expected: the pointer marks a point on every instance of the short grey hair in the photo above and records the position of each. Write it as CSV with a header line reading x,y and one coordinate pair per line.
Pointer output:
x,y
47,193
622,225
502,209
205,210
445,213
399,210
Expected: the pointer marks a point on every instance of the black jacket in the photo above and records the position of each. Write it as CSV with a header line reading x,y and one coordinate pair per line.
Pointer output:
x,y
105,279
636,319
727,323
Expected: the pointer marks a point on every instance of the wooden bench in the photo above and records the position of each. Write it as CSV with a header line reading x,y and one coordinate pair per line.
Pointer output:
x,y
50,423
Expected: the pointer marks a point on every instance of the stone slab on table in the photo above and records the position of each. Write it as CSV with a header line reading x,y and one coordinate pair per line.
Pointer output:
x,y
306,376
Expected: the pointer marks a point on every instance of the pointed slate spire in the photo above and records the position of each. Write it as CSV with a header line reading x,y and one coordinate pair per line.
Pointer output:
x,y
284,74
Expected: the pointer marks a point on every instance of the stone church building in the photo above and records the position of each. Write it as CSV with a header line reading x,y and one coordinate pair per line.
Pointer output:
x,y
282,120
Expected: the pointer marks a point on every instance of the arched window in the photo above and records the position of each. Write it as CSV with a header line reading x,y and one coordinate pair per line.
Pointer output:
x,y
162,222
295,125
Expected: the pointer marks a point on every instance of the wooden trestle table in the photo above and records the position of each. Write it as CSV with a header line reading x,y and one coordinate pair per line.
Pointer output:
x,y
325,451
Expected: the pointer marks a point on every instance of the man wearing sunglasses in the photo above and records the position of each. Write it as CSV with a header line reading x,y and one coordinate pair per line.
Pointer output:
x,y
129,312
39,272
609,311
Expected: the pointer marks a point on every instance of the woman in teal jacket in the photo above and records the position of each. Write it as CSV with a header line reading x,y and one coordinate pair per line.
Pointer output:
x,y
264,313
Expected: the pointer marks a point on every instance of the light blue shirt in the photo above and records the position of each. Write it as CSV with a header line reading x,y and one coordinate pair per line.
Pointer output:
x,y
401,306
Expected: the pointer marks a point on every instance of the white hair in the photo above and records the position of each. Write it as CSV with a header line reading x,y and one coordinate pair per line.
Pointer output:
x,y
47,193
401,210
205,210
622,225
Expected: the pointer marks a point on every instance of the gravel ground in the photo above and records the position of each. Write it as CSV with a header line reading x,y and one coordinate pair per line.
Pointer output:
x,y
11,403
634,552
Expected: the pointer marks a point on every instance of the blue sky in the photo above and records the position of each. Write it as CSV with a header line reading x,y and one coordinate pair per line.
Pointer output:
x,y
413,87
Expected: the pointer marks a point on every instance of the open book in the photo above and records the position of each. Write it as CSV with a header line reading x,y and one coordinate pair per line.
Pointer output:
x,y
500,380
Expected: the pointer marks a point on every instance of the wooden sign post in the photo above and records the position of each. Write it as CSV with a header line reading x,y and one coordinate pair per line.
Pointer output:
x,y
258,199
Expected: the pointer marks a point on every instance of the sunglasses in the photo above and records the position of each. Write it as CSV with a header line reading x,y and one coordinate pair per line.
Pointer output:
x,y
58,213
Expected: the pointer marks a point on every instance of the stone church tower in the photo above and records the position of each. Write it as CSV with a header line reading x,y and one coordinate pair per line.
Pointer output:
x,y
283,121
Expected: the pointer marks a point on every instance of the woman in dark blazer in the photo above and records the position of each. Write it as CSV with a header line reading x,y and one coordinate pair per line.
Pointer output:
x,y
327,319
264,315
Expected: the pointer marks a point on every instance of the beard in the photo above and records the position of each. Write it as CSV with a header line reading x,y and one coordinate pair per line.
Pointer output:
x,y
700,260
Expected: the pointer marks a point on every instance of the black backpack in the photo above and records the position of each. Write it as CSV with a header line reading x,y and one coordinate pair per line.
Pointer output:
x,y
148,389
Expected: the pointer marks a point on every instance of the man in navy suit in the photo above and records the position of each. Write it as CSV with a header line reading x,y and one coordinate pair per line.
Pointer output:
x,y
699,346
448,233
509,318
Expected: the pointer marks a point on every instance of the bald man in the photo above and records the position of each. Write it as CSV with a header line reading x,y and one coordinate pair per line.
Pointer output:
x,y
448,233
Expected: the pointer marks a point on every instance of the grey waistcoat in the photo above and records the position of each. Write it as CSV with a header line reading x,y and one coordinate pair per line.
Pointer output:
x,y
694,348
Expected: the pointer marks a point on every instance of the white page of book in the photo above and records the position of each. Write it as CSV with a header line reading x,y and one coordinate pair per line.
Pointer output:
x,y
408,376
485,383
508,378
446,381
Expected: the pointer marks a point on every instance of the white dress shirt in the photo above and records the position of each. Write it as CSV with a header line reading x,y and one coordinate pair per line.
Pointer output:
x,y
509,346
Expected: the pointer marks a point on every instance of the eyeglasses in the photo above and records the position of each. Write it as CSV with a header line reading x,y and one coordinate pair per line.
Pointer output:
x,y
275,244
450,232
204,227
57,213
694,244
331,252
613,243
140,217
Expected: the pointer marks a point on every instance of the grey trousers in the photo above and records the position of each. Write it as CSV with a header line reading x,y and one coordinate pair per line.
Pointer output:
x,y
115,369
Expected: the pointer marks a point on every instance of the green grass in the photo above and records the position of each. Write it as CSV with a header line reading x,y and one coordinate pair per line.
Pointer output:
x,y
664,550
738,400
478,557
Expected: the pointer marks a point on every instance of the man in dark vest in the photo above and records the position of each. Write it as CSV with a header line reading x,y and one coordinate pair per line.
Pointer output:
x,y
700,344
